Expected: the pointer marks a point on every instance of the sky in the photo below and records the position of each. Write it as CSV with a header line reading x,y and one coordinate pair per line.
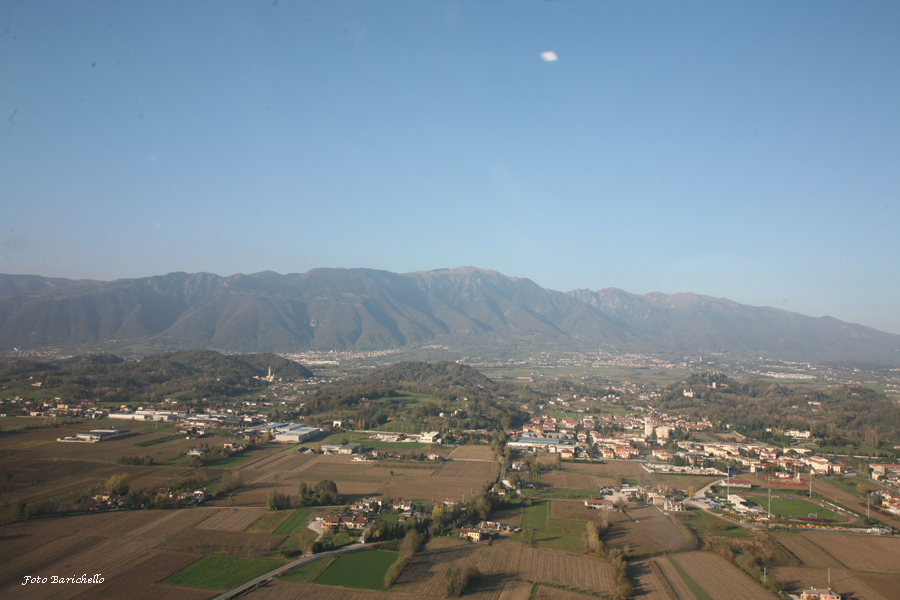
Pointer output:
x,y
746,150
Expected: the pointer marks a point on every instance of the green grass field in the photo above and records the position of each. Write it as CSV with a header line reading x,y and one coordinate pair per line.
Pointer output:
x,y
535,516
706,523
553,533
309,571
221,572
362,570
298,520
797,508
229,460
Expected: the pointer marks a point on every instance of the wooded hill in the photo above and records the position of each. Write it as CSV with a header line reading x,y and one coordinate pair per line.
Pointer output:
x,y
188,374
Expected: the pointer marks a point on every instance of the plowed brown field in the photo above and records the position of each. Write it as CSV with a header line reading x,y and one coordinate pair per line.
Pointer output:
x,y
225,542
473,452
500,563
476,470
232,519
142,582
808,552
719,578
647,531
657,579
576,481
861,552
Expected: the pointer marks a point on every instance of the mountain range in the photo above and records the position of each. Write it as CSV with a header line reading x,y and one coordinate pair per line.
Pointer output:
x,y
366,309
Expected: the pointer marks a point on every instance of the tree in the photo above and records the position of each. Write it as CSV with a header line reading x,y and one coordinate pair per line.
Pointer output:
x,y
691,491
118,484
862,489
278,501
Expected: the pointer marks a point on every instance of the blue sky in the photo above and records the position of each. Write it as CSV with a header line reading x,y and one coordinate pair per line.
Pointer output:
x,y
747,150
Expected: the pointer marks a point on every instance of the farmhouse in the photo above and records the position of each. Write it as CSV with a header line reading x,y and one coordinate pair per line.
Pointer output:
x,y
348,522
474,535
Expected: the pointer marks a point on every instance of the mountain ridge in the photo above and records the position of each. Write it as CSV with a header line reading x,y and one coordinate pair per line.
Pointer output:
x,y
369,309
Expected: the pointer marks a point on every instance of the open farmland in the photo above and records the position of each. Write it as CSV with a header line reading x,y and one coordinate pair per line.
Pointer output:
x,y
719,578
549,593
657,579
221,572
363,570
232,519
143,581
283,590
860,586
31,545
502,562
576,510
508,516
647,531
452,481
807,551
576,481
861,553
123,546
201,541
477,470
473,453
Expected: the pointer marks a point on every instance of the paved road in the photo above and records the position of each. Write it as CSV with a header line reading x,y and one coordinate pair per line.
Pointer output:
x,y
284,569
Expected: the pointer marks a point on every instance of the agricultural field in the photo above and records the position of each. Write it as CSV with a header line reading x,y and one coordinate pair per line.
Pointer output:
x,y
575,509
123,546
297,521
720,579
268,522
232,519
860,553
469,469
508,516
451,482
283,590
199,541
500,563
645,530
658,579
473,453
363,570
144,581
807,552
576,481
221,572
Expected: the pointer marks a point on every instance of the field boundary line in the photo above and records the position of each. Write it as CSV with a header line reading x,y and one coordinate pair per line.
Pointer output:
x,y
666,586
